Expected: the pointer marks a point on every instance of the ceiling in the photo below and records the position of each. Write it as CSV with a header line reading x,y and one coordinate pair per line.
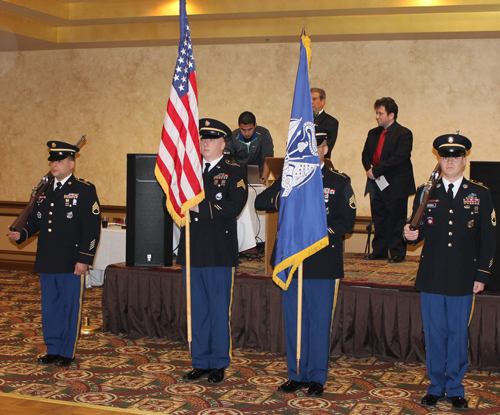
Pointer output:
x,y
73,24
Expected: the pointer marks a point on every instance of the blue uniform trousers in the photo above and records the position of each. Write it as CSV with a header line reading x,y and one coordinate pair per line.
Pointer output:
x,y
211,299
319,299
446,322
62,301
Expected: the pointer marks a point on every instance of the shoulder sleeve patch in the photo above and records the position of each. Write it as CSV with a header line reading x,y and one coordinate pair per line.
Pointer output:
x,y
96,210
352,202
241,183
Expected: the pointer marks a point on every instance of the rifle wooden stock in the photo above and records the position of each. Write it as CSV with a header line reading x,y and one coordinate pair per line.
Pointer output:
x,y
428,187
17,225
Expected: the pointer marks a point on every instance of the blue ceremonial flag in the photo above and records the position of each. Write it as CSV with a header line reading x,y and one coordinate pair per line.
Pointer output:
x,y
302,227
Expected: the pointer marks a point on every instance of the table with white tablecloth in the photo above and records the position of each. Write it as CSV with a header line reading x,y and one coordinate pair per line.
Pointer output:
x,y
251,223
111,250
112,246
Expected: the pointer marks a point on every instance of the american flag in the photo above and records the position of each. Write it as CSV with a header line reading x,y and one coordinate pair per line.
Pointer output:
x,y
178,164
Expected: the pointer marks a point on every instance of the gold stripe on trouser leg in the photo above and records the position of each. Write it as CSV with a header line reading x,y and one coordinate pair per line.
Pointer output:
x,y
337,285
82,285
230,309
472,309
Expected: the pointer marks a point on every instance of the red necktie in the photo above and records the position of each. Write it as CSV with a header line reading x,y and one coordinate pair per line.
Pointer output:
x,y
378,150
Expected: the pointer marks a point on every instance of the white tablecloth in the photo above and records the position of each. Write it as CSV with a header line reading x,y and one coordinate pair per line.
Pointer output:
x,y
111,250
251,223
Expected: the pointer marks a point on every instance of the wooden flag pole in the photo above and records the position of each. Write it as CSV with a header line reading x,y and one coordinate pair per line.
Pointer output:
x,y
188,283
299,316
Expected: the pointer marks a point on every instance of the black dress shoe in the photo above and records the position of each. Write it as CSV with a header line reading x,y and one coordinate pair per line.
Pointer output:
x,y
315,389
291,386
216,376
47,359
196,374
431,400
395,259
458,402
64,361
373,257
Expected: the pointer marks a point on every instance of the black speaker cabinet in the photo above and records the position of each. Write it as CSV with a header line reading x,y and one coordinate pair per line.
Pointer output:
x,y
149,228
488,173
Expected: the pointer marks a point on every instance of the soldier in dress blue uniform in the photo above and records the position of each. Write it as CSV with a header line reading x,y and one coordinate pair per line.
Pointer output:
x,y
67,217
322,274
214,254
459,231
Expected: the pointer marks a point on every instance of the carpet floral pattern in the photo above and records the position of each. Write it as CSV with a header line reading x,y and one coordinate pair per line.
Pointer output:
x,y
145,375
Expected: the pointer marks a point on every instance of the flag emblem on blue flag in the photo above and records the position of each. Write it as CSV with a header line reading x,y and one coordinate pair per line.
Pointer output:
x,y
302,226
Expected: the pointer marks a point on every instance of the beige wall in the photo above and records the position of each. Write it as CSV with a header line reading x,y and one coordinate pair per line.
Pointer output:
x,y
118,98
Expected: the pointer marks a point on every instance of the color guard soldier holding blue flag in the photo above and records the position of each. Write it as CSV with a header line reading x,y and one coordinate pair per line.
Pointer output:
x,y
459,228
322,274
316,207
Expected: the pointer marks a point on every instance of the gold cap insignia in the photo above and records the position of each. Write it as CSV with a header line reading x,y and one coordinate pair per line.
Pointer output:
x,y
53,145
450,139
207,123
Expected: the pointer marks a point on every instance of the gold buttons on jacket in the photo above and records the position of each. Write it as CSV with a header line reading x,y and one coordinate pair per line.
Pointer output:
x,y
449,244
50,230
450,233
51,204
450,222
50,221
50,213
451,210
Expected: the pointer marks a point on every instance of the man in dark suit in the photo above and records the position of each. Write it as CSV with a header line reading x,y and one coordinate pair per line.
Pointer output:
x,y
322,274
459,228
67,217
322,119
386,159
214,254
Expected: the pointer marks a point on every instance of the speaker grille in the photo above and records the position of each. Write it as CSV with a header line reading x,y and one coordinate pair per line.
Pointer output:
x,y
149,228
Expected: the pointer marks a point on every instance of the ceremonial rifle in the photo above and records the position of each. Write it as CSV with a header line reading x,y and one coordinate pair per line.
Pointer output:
x,y
428,187
37,191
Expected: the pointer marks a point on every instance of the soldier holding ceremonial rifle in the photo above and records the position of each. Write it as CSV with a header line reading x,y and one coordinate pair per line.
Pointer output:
x,y
67,218
458,224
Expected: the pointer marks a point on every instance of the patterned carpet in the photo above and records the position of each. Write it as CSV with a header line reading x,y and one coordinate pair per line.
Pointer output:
x,y
145,376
